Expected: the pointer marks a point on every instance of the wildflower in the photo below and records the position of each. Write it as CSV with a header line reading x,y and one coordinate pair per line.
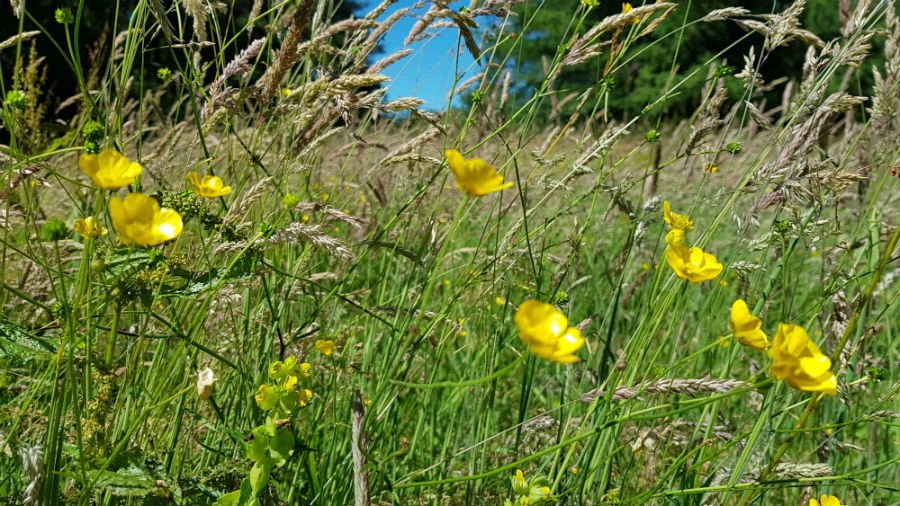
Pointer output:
x,y
163,73
290,200
110,170
138,219
266,397
711,167
500,301
799,361
652,136
825,500
206,380
64,16
475,176
286,92
675,238
676,220
746,327
325,347
531,492
693,264
546,331
305,395
89,227
209,187
626,8
734,147
281,370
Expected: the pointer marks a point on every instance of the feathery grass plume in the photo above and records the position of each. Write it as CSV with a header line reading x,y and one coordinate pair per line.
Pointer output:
x,y
331,212
783,471
422,24
353,82
240,64
268,85
411,157
240,209
19,37
300,232
383,27
885,108
33,464
853,22
388,61
414,143
16,6
585,47
198,10
358,449
401,104
806,135
724,14
669,386
255,10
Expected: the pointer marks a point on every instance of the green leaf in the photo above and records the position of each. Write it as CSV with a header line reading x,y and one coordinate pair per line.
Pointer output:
x,y
281,447
259,477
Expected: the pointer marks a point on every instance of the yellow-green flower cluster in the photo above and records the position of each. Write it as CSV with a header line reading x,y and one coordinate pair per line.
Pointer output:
x,y
535,491
285,395
690,263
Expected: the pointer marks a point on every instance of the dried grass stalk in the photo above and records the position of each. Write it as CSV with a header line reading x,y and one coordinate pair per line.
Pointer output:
x,y
296,233
287,55
670,386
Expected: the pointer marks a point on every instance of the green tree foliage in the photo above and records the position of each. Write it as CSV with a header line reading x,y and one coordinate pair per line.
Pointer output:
x,y
676,50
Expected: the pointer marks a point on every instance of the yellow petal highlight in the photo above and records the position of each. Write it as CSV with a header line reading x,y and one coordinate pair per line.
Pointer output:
x,y
209,187
110,170
325,347
693,264
747,328
675,220
825,500
546,331
797,360
474,176
138,219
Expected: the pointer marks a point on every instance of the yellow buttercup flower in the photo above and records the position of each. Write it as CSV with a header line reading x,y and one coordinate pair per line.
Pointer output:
x,y
209,187
675,238
746,327
825,500
325,347
304,396
138,219
693,264
89,227
676,220
546,331
797,360
474,175
110,170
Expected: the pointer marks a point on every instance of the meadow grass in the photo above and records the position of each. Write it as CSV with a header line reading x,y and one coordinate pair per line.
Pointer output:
x,y
345,227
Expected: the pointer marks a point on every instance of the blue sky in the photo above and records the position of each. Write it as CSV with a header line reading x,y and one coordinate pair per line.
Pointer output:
x,y
428,72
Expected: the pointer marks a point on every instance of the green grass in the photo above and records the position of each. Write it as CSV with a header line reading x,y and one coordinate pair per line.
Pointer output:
x,y
101,343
